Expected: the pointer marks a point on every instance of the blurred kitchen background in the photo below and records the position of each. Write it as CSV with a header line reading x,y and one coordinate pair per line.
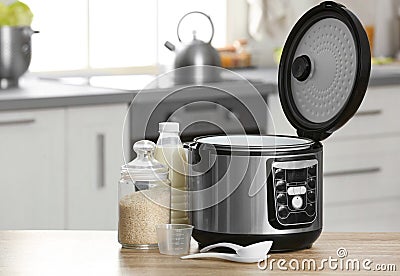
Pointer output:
x,y
81,35
60,130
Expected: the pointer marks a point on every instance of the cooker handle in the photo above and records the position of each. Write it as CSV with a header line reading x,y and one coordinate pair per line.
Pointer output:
x,y
188,145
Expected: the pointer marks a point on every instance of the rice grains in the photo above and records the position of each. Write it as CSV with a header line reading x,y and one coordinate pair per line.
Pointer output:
x,y
139,213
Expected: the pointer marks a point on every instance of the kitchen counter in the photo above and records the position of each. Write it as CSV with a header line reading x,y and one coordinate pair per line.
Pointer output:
x,y
98,253
36,93
381,75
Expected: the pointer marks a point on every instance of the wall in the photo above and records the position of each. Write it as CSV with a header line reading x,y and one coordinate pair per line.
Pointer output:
x,y
382,14
262,50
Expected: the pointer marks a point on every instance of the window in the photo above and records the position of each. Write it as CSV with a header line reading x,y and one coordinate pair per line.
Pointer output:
x,y
128,35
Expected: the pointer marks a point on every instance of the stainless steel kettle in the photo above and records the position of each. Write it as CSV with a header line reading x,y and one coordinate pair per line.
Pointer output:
x,y
197,52
15,54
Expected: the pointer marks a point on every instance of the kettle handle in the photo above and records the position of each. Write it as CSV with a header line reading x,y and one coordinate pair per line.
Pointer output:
x,y
209,18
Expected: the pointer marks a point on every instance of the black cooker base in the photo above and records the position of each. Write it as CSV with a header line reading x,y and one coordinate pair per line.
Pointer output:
x,y
281,242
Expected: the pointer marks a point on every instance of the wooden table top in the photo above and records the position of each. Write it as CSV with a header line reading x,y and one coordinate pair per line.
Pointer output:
x,y
98,253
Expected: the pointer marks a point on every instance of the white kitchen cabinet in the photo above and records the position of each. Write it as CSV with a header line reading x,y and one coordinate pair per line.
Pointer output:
x,y
377,115
32,175
361,163
361,185
59,168
362,170
363,216
93,159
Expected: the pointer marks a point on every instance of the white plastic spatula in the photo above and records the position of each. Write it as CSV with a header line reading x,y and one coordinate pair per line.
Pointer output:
x,y
244,254
223,256
252,250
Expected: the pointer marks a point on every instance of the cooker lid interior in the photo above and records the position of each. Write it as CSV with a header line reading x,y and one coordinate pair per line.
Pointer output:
x,y
324,70
330,47
254,141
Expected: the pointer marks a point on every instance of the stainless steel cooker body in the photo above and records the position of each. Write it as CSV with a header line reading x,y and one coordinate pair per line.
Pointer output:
x,y
246,194
245,189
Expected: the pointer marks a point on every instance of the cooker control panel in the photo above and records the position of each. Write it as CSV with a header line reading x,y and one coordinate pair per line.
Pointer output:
x,y
295,191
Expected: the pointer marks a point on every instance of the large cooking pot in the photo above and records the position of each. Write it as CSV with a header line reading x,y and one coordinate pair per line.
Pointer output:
x,y
15,54
246,189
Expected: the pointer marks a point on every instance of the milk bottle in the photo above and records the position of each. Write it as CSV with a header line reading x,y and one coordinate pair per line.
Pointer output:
x,y
169,151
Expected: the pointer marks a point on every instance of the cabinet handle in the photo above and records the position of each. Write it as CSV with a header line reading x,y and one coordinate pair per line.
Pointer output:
x,y
373,112
353,172
100,161
17,122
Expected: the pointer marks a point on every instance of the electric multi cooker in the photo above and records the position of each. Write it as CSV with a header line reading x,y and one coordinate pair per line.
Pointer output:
x,y
246,189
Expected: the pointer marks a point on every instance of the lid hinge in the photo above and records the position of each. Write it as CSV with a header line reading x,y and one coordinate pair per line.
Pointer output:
x,y
314,135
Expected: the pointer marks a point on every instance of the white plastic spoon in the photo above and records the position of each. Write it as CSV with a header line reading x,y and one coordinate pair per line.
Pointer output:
x,y
253,250
224,256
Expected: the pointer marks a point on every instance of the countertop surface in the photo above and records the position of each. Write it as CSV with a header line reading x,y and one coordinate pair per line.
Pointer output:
x,y
98,253
39,93
35,93
381,75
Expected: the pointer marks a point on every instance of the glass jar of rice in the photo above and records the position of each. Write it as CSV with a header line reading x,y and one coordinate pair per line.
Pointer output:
x,y
144,198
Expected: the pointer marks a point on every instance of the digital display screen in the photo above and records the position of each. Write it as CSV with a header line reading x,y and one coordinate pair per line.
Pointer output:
x,y
296,175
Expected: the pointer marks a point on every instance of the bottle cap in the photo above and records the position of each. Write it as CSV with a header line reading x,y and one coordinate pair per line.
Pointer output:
x,y
168,127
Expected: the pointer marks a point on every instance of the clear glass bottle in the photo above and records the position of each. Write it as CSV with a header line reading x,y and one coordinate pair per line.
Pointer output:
x,y
170,152
144,198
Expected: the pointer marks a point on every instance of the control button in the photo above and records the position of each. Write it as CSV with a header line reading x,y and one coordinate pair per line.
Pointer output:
x,y
297,190
310,210
311,196
281,186
279,174
283,212
311,183
297,202
312,171
281,199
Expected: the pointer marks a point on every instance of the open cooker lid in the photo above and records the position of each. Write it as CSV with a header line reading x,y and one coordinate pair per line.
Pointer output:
x,y
324,70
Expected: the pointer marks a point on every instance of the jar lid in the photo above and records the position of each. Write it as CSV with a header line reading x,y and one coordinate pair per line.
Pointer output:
x,y
324,70
145,167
